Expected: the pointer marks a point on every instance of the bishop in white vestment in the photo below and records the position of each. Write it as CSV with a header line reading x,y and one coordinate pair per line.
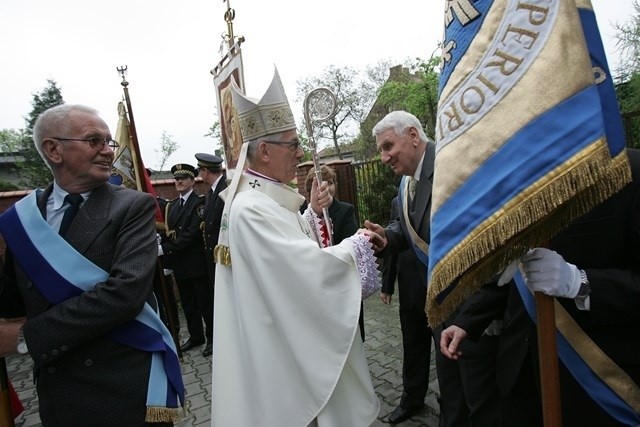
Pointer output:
x,y
287,351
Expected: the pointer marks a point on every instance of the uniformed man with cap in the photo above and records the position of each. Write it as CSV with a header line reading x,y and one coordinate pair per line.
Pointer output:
x,y
210,167
183,252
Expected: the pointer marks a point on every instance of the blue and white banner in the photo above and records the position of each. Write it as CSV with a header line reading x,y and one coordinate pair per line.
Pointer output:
x,y
522,145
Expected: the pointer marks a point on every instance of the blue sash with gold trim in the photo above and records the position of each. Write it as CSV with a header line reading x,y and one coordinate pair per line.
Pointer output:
x,y
607,384
60,272
420,247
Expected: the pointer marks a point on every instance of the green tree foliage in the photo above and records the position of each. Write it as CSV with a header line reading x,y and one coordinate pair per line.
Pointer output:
x,y
10,145
10,140
377,186
167,147
628,74
628,43
7,186
33,171
417,93
354,92
413,87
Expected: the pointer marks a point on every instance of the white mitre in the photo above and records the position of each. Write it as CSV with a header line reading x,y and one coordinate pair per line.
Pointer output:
x,y
270,115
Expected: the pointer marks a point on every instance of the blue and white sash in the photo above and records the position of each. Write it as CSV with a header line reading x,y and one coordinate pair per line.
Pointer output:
x,y
608,385
60,272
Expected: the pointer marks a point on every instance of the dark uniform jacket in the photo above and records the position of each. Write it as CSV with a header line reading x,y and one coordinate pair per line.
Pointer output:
x,y
213,208
184,250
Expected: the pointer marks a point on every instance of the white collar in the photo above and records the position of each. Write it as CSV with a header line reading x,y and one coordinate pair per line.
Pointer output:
x,y
418,171
59,194
186,196
215,183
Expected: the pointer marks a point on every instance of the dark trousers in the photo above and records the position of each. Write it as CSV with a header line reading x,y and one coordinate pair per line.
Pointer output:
x,y
468,391
196,298
211,268
416,355
522,405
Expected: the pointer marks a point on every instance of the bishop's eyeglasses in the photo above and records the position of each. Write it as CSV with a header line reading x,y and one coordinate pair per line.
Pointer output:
x,y
293,145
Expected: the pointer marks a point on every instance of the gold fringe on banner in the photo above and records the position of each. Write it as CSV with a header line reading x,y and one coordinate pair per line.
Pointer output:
x,y
527,221
159,414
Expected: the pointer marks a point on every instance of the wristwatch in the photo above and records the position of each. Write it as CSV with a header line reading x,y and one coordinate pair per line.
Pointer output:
x,y
22,344
582,299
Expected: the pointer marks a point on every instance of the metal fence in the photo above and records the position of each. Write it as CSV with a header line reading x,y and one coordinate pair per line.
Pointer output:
x,y
376,186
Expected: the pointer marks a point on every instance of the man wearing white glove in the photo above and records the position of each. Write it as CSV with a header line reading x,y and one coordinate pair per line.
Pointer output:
x,y
592,268
546,271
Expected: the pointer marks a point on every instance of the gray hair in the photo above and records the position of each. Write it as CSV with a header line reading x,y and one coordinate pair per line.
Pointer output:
x,y
399,121
252,144
55,120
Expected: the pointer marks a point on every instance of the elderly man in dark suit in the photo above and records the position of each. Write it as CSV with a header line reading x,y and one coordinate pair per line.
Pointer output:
x,y
405,268
210,170
404,146
183,251
91,325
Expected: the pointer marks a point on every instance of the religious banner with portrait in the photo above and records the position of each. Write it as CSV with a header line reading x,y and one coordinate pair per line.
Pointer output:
x,y
128,169
230,68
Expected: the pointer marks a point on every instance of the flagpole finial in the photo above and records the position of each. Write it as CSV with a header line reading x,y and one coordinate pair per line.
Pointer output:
x,y
123,72
228,17
229,37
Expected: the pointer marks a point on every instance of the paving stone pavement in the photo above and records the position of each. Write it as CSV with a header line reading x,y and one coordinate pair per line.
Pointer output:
x,y
383,346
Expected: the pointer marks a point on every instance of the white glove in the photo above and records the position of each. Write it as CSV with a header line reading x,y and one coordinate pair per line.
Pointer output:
x,y
494,328
160,251
546,271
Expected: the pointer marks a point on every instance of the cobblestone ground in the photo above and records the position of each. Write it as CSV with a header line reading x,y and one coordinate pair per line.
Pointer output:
x,y
384,351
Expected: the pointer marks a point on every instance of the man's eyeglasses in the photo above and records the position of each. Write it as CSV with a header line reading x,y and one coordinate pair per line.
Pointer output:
x,y
293,145
95,142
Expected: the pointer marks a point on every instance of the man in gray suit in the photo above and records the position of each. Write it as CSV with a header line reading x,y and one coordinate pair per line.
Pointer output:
x,y
80,303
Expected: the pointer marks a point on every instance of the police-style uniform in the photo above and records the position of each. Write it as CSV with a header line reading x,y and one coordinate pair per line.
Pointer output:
x,y
213,207
184,254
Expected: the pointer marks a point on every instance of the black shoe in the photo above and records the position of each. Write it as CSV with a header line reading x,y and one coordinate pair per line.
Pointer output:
x,y
190,344
208,350
401,413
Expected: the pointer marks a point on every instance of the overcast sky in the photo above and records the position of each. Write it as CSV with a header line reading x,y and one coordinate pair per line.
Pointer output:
x,y
170,48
